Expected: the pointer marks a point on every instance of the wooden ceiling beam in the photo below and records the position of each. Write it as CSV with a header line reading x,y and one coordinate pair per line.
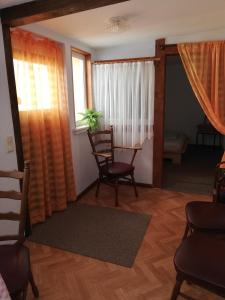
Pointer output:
x,y
41,10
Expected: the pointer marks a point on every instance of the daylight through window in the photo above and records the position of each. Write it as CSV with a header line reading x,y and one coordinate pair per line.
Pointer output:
x,y
80,87
33,93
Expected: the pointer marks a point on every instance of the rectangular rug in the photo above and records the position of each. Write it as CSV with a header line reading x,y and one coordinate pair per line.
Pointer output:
x,y
107,234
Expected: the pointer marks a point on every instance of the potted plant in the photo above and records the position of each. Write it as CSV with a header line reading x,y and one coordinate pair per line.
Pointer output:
x,y
91,118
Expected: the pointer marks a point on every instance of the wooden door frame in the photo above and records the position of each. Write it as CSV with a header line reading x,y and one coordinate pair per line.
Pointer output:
x,y
24,14
162,51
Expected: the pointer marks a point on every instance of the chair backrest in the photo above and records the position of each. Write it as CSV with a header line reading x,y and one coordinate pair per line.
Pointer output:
x,y
219,183
23,177
102,143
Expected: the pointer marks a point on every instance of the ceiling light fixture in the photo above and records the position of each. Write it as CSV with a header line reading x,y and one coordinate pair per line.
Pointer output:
x,y
116,24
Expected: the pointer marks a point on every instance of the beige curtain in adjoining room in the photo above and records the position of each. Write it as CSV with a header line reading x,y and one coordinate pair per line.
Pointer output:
x,y
204,63
42,102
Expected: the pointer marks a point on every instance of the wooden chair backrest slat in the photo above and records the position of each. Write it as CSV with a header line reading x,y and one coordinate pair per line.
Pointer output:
x,y
14,237
99,138
14,195
12,174
22,196
102,142
106,150
103,162
11,216
100,132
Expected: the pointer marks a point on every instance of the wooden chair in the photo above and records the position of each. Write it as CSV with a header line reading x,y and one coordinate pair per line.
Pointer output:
x,y
110,171
200,260
219,183
208,216
200,257
15,265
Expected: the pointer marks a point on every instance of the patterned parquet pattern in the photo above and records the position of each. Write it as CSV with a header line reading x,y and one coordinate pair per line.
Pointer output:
x,y
63,275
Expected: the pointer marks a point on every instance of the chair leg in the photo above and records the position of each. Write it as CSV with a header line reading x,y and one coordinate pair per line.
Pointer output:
x,y
21,295
24,293
134,184
176,289
33,285
116,193
186,232
97,189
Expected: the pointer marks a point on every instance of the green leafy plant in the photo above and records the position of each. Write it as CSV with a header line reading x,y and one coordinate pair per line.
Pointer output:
x,y
91,118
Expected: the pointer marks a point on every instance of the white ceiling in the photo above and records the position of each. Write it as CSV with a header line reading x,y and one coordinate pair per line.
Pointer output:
x,y
146,20
7,3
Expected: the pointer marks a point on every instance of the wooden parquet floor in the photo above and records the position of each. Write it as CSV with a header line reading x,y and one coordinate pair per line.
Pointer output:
x,y
63,275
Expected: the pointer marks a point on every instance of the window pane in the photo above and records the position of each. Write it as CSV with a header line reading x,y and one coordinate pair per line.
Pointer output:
x,y
79,85
33,93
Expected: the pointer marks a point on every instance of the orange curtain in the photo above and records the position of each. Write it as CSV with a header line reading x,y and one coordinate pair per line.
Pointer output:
x,y
204,63
42,101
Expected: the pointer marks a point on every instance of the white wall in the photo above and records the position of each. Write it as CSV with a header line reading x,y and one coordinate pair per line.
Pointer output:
x,y
143,161
182,112
210,35
84,163
126,51
7,160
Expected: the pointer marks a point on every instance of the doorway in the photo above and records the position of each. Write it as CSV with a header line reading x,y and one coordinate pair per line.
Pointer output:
x,y
189,163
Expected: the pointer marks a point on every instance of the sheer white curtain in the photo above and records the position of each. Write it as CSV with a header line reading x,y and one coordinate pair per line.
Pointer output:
x,y
124,93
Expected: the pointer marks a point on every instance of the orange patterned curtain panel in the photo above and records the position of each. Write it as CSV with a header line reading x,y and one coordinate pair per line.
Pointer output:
x,y
42,102
205,67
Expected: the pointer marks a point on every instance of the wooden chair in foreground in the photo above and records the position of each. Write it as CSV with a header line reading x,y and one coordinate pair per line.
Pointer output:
x,y
208,216
15,265
200,260
110,171
200,257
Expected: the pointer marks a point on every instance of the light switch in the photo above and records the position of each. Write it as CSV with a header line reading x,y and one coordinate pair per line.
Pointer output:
x,y
9,144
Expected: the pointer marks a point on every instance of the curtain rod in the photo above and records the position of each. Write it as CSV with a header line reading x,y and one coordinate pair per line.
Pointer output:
x,y
123,60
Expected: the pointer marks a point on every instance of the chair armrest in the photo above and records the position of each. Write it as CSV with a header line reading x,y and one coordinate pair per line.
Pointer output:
x,y
135,149
128,148
102,154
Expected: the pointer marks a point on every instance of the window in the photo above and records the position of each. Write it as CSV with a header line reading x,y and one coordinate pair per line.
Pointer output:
x,y
124,93
37,79
81,63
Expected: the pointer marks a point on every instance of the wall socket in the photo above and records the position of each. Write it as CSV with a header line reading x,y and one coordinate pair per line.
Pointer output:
x,y
10,144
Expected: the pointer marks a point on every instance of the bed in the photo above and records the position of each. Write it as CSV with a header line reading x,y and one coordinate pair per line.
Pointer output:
x,y
175,145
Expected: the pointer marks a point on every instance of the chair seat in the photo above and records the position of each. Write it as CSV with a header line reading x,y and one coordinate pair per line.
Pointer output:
x,y
201,258
206,215
117,168
14,266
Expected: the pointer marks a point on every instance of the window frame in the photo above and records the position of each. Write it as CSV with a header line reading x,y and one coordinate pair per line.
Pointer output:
x,y
88,81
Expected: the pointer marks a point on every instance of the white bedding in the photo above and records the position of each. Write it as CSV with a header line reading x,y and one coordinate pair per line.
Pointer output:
x,y
174,142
